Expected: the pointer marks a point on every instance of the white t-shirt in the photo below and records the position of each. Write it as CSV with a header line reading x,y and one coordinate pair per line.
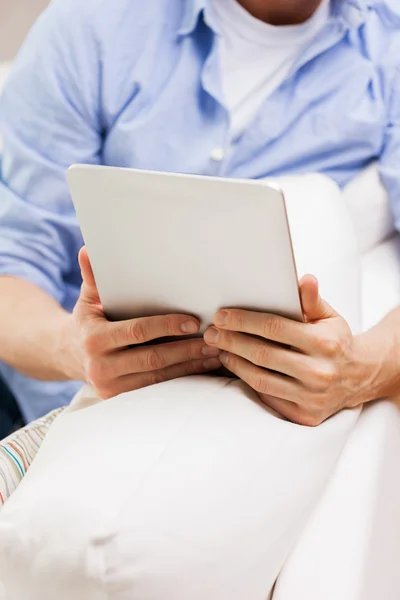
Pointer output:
x,y
255,57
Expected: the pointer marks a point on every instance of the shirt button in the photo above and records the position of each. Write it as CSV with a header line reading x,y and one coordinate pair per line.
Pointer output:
x,y
217,154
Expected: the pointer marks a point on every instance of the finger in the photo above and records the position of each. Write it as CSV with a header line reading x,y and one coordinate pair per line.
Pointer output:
x,y
314,307
154,358
261,380
288,410
261,353
267,326
138,381
294,412
89,288
145,329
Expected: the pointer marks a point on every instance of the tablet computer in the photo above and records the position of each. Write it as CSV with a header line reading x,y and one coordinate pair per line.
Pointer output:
x,y
164,243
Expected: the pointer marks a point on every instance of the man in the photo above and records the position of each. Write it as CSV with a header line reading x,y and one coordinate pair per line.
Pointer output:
x,y
252,88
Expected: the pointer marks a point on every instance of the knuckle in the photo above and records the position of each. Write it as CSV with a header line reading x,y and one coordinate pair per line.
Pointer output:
x,y
108,369
325,376
316,404
195,366
225,340
194,349
263,355
235,318
101,372
137,332
233,364
309,420
329,346
169,325
260,384
158,377
190,367
93,371
91,343
105,392
272,326
154,360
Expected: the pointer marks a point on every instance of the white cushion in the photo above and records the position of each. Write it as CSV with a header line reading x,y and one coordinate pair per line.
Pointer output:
x,y
324,241
381,281
368,203
188,490
351,546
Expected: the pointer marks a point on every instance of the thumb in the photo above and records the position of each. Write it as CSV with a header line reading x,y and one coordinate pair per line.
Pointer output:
x,y
314,307
89,288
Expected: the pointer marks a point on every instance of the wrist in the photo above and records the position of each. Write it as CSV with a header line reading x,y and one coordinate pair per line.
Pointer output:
x,y
375,357
364,370
67,352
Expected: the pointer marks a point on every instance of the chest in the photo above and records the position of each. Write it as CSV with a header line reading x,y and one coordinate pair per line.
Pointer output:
x,y
329,116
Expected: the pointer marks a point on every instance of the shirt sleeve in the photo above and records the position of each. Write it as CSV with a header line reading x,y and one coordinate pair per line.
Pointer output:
x,y
49,119
390,156
18,451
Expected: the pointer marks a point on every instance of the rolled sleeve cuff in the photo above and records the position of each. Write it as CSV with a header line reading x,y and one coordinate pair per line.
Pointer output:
x,y
22,269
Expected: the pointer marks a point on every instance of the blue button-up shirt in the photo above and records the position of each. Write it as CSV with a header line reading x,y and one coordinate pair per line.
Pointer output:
x,y
138,85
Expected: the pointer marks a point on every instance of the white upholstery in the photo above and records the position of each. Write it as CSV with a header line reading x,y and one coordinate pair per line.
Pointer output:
x,y
368,204
324,241
350,547
184,491
381,280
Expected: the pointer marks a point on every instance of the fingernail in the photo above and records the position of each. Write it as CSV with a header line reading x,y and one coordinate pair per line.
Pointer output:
x,y
189,327
211,335
221,317
209,351
224,358
211,363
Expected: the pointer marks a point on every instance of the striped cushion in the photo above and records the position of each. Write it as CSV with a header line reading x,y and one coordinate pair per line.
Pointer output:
x,y
18,451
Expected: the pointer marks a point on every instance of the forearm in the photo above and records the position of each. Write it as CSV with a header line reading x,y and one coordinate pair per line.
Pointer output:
x,y
379,351
35,332
18,451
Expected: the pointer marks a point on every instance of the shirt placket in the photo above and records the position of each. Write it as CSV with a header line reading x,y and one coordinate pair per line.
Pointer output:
x,y
211,83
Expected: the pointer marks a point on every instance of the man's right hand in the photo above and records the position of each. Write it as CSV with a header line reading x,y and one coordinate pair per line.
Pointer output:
x,y
102,353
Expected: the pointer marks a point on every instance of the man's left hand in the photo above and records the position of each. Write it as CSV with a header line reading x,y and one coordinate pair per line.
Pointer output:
x,y
304,371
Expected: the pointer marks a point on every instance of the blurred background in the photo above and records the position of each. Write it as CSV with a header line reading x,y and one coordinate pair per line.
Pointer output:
x,y
16,17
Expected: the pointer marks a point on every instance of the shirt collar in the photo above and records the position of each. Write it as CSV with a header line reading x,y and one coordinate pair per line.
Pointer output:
x,y
191,13
352,13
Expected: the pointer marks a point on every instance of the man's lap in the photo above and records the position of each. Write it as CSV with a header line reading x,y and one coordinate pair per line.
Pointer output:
x,y
190,486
